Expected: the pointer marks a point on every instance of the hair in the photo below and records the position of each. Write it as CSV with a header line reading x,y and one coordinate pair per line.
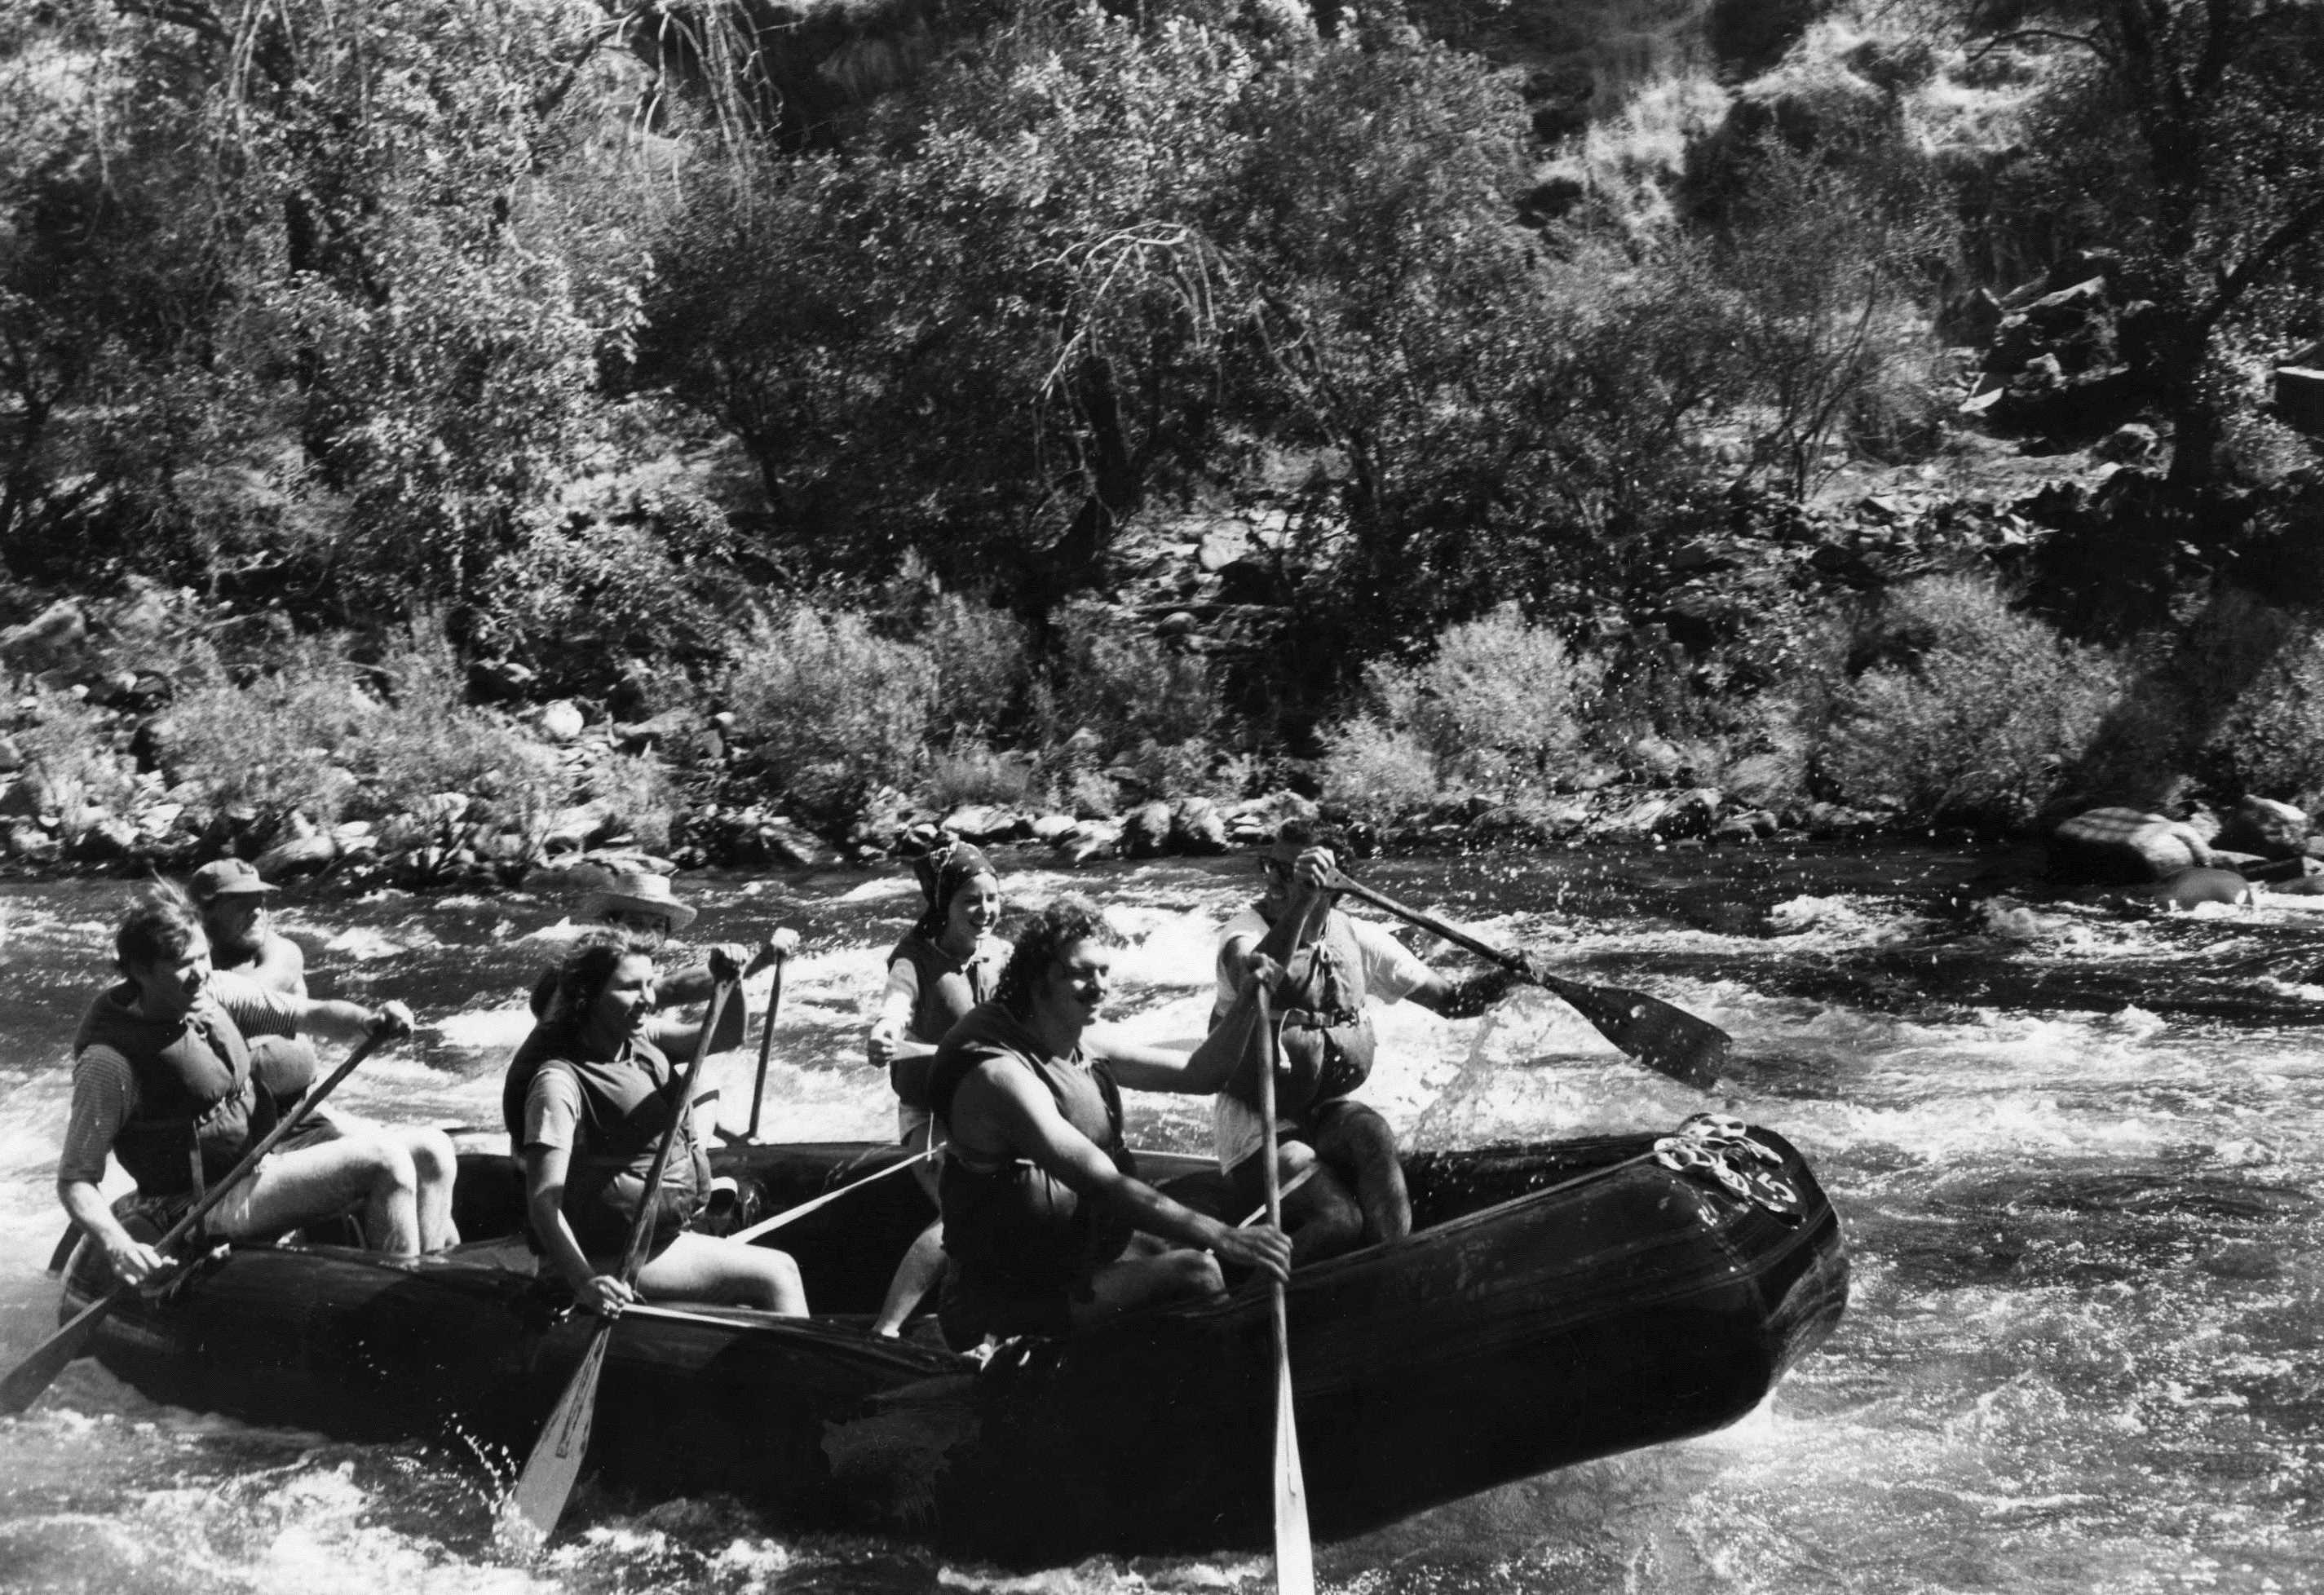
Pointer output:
x,y
1069,920
1306,834
587,966
162,924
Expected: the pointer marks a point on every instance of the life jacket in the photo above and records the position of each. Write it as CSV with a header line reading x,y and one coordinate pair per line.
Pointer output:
x,y
626,1104
1325,1045
948,991
196,1091
1010,1226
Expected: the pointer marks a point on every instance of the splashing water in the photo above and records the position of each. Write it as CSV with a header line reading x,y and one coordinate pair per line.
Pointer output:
x,y
2074,1149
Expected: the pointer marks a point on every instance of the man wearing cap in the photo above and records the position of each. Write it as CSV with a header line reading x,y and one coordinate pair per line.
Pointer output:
x,y
232,901
644,904
1332,966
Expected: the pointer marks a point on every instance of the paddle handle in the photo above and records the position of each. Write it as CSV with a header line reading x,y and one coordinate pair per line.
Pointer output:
x,y
766,1047
634,1251
1271,1177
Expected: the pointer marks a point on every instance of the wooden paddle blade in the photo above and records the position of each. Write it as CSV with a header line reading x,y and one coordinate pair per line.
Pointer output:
x,y
36,1373
1294,1552
529,1517
1667,1039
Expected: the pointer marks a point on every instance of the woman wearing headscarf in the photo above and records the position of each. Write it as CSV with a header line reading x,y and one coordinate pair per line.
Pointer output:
x,y
946,964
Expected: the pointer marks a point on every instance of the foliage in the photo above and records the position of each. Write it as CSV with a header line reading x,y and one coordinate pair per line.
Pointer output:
x,y
836,710
1124,687
1973,711
1376,770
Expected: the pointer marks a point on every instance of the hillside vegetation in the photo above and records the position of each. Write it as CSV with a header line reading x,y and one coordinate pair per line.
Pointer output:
x,y
1630,415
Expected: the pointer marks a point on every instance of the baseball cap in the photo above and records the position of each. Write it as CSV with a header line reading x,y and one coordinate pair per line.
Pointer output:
x,y
226,878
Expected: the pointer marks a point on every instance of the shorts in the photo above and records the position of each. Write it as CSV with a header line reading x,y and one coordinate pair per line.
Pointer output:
x,y
909,1118
968,1314
1236,1131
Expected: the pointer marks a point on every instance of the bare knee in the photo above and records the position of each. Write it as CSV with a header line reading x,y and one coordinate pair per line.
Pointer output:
x,y
1192,1274
390,1165
434,1159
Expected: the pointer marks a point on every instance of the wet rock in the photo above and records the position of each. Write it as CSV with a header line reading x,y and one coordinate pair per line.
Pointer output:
x,y
1089,839
2264,828
299,855
1197,826
1257,819
104,838
1048,827
1145,830
2126,846
988,822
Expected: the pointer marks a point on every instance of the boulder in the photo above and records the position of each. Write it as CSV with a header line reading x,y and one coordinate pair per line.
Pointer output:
x,y
1145,830
2264,828
1087,840
561,721
53,640
1258,819
790,842
299,855
2126,846
579,828
2185,888
1048,827
31,845
497,681
1197,826
988,822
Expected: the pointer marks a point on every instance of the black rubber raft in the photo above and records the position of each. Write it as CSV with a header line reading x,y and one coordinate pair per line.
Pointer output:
x,y
1556,1303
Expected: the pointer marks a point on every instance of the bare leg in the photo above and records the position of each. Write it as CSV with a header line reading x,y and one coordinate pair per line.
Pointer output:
x,y
923,1261
321,1181
728,1273
1357,1141
1143,1278
916,1275
437,1164
1321,1216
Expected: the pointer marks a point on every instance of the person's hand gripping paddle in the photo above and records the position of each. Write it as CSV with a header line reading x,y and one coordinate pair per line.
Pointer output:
x,y
25,1383
529,1517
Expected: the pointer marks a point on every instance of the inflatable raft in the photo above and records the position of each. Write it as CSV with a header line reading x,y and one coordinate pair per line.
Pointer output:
x,y
1556,1303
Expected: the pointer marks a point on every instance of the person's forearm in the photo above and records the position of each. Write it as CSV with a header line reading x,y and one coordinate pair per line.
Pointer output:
x,y
1157,1214
1479,992
555,1234
337,1020
693,984
88,1208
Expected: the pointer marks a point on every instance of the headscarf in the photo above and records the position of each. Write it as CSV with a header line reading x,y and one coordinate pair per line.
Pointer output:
x,y
942,871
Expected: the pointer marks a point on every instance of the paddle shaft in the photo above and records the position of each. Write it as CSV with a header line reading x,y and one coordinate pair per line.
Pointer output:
x,y
1295,1553
766,1047
25,1383
1665,1038
528,1516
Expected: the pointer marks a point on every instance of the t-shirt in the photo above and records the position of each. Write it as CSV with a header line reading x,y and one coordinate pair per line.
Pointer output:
x,y
552,1110
1392,970
104,1088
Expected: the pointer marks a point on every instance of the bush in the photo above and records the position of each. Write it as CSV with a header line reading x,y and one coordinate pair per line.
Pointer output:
x,y
1125,687
836,710
73,769
1499,704
2270,740
271,740
982,666
1376,770
1971,712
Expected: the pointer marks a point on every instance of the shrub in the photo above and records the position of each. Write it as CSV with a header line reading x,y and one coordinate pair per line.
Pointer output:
x,y
981,662
2270,740
1971,711
66,751
1125,687
1499,704
1376,770
836,710
425,740
269,741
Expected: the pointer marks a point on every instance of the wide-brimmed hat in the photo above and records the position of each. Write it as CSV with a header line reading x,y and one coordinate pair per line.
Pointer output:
x,y
634,891
226,878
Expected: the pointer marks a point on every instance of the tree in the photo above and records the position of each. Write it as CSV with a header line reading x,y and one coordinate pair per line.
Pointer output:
x,y
2217,195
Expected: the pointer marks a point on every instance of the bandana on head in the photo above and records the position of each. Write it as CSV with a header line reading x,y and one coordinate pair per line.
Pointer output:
x,y
943,872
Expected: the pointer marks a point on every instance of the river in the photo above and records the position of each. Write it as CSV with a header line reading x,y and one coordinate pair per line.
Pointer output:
x,y
2073,1149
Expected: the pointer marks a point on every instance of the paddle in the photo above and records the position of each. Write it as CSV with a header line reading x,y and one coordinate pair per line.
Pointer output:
x,y
529,1517
766,1047
789,1214
1661,1037
25,1383
1295,1553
